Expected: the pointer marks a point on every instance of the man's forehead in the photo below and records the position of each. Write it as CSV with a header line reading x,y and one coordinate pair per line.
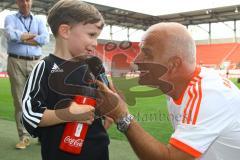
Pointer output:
x,y
149,40
144,40
152,37
142,44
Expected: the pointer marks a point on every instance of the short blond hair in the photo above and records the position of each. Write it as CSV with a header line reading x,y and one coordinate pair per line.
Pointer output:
x,y
72,12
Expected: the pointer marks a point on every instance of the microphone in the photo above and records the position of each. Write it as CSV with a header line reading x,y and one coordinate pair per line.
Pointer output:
x,y
96,67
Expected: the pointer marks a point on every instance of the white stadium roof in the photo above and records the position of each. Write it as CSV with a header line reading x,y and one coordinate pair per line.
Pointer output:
x,y
146,13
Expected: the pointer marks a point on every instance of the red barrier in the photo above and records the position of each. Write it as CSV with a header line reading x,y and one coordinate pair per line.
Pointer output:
x,y
3,75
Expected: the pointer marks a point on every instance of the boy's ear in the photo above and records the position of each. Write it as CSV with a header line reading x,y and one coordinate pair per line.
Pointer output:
x,y
63,31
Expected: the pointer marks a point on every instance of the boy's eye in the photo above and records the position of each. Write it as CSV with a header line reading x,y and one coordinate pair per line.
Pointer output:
x,y
92,34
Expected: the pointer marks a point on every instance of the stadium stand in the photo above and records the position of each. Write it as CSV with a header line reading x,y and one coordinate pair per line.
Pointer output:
x,y
211,55
225,57
215,55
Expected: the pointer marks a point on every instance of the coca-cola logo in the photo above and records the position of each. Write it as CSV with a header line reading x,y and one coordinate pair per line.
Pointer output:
x,y
73,142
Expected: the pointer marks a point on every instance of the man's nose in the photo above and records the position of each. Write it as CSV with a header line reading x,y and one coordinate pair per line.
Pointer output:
x,y
138,59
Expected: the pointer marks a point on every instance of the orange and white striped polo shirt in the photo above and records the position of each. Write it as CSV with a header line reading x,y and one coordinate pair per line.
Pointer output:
x,y
206,118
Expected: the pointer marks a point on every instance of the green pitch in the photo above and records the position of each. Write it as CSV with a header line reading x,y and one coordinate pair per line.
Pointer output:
x,y
6,103
150,112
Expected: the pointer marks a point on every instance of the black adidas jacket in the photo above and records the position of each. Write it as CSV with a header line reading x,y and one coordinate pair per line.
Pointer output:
x,y
39,93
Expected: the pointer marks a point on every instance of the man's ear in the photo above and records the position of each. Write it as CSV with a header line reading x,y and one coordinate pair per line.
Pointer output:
x,y
174,63
64,31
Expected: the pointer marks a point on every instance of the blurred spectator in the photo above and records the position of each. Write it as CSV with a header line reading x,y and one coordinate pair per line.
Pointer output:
x,y
25,34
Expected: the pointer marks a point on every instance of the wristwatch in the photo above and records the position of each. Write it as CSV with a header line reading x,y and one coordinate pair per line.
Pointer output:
x,y
124,123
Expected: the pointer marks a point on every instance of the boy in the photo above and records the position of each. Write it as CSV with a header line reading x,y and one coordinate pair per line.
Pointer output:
x,y
76,26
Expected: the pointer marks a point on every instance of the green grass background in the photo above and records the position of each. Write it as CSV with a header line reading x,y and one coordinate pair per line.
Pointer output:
x,y
150,112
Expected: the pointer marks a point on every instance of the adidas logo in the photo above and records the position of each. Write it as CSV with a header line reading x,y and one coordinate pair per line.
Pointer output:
x,y
55,68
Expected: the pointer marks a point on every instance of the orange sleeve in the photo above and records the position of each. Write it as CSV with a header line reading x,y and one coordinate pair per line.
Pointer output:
x,y
184,147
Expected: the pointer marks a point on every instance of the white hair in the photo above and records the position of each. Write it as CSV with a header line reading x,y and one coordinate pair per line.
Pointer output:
x,y
178,40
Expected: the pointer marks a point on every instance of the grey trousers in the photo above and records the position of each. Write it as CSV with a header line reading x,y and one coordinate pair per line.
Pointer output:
x,y
18,71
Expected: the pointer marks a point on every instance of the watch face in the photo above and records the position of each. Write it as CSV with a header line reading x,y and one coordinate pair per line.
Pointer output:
x,y
124,123
121,126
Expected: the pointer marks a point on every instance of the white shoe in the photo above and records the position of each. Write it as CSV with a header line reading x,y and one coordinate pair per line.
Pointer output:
x,y
23,143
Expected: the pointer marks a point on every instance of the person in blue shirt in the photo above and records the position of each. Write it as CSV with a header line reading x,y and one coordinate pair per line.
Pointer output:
x,y
26,34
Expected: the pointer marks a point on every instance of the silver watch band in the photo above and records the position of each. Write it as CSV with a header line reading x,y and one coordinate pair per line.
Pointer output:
x,y
124,123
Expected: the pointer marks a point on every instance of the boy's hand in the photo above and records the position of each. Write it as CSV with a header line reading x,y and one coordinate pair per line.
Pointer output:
x,y
76,113
81,113
107,122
